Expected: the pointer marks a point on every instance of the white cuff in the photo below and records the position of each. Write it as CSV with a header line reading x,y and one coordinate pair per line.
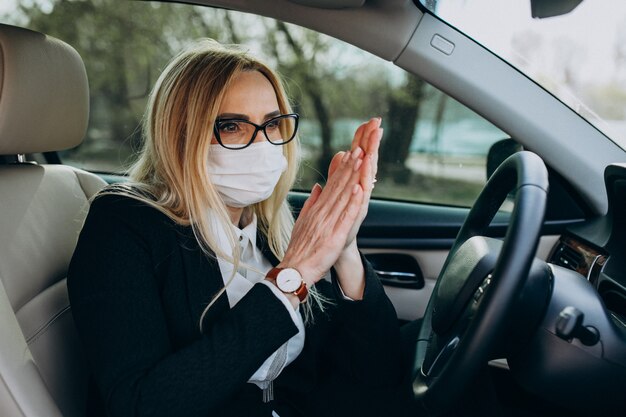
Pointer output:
x,y
294,345
345,297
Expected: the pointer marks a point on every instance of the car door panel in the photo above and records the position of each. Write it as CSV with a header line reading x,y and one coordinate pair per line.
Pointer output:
x,y
425,233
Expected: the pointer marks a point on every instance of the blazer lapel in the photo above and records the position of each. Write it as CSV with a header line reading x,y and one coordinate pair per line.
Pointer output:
x,y
204,279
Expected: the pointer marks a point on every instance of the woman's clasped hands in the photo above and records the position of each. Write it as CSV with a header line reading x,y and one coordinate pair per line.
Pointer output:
x,y
324,234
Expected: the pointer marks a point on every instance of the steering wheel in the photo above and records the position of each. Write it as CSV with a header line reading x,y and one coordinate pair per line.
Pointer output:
x,y
479,283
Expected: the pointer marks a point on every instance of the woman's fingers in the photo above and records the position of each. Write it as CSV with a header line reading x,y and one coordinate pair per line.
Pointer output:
x,y
334,163
350,214
366,176
374,145
358,136
342,175
341,196
315,193
373,141
368,137
370,160
331,216
321,231
333,198
357,166
367,129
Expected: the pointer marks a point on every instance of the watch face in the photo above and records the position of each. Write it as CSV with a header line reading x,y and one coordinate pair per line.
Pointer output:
x,y
288,280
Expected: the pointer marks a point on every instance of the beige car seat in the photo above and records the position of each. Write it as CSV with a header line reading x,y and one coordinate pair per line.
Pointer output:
x,y
44,106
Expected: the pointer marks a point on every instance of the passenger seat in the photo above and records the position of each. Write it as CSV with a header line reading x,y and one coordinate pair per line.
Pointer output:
x,y
44,106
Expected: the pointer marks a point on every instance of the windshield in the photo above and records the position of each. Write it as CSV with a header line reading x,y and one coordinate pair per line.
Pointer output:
x,y
580,57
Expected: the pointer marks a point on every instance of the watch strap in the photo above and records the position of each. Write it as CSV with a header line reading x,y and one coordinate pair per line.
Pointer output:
x,y
302,292
273,273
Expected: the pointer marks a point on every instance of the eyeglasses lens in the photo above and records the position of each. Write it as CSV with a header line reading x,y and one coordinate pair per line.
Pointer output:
x,y
237,134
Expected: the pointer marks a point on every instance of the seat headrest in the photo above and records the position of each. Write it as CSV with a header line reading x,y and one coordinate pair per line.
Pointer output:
x,y
44,95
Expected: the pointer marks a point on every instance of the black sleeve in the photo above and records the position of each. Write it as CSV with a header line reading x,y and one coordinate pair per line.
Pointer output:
x,y
369,333
118,312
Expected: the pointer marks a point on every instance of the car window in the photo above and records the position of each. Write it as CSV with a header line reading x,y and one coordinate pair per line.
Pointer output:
x,y
575,50
434,148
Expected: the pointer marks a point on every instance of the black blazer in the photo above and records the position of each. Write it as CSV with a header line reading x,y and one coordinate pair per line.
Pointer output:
x,y
138,283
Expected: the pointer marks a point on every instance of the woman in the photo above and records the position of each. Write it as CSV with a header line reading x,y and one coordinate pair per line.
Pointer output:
x,y
189,286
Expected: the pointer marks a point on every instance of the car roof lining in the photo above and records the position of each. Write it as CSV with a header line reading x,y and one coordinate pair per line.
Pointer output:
x,y
331,4
390,23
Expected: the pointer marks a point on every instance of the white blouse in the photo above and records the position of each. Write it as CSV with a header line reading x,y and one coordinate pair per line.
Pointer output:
x,y
243,282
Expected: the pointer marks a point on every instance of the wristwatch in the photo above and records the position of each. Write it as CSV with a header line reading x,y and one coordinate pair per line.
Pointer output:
x,y
289,281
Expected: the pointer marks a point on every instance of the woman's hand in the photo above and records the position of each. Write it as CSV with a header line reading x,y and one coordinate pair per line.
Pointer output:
x,y
366,138
349,267
327,218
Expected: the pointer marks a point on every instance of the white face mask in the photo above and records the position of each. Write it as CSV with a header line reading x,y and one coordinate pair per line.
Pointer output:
x,y
246,176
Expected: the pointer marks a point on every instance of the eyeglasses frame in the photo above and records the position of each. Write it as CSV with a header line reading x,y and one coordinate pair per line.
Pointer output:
x,y
257,128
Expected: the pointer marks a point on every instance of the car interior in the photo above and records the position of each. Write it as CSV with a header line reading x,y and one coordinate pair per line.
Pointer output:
x,y
44,107
554,336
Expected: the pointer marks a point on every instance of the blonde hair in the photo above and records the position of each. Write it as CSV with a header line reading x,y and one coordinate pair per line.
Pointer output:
x,y
171,172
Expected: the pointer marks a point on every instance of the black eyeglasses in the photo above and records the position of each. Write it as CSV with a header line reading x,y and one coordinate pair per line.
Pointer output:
x,y
240,133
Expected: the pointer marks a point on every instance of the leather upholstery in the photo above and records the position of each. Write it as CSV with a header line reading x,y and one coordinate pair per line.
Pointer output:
x,y
43,107
44,97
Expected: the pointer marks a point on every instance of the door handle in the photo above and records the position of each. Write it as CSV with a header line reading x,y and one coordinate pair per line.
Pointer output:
x,y
399,279
397,270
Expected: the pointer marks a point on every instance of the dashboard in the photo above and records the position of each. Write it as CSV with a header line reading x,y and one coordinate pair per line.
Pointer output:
x,y
571,252
577,356
596,249
574,253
